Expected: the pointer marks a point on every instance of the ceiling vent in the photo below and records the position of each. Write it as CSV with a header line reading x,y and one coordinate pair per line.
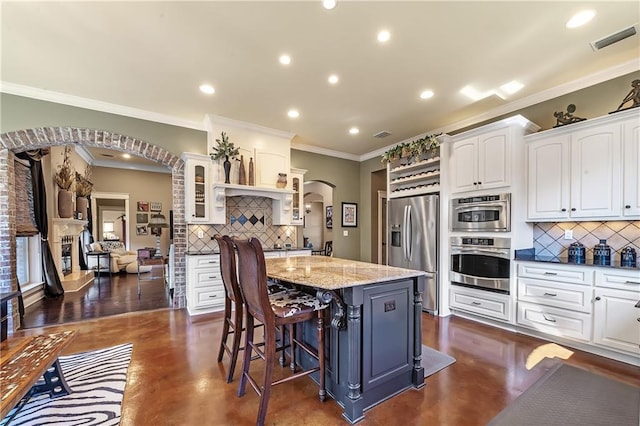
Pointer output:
x,y
382,134
614,38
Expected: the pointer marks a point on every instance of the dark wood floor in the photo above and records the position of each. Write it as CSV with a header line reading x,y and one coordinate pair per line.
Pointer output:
x,y
174,378
110,295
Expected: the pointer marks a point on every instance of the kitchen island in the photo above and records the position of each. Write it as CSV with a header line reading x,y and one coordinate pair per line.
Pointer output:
x,y
374,343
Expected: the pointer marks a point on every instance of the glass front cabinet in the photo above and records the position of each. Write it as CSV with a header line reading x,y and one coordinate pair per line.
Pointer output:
x,y
198,189
297,185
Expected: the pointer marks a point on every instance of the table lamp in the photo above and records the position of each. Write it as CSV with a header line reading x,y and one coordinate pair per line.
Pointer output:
x,y
156,223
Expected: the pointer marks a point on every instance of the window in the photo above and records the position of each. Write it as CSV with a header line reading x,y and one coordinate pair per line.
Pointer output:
x,y
28,262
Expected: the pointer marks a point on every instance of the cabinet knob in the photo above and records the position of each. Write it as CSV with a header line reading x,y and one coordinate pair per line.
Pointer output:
x,y
573,209
638,319
564,210
627,206
479,183
598,298
475,183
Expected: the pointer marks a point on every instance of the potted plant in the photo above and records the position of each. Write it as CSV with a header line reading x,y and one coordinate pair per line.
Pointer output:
x,y
83,190
64,179
225,149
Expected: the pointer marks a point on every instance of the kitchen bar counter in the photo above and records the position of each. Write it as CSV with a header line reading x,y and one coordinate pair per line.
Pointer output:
x,y
530,256
374,343
266,250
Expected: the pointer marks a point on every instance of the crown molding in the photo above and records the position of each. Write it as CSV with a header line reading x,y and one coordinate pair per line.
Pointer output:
x,y
92,104
536,98
325,151
210,120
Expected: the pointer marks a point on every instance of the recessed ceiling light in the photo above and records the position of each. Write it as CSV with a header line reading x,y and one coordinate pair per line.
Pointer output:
x,y
511,87
127,156
354,130
384,36
426,94
580,18
207,88
333,79
329,4
285,59
293,113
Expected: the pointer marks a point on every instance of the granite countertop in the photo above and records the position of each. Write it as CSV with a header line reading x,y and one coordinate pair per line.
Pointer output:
x,y
529,255
331,273
210,252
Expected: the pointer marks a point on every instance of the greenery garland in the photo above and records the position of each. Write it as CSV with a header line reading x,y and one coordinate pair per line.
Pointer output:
x,y
411,149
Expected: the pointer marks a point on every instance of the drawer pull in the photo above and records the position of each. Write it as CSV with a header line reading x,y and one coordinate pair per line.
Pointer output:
x,y
212,261
476,303
548,319
213,277
551,273
632,282
211,296
550,294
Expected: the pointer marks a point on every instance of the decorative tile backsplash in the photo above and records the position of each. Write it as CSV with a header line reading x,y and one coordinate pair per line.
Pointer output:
x,y
548,238
246,217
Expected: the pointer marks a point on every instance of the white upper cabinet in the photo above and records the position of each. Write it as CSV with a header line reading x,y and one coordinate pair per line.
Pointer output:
x,y
548,178
197,183
631,168
577,172
297,205
483,159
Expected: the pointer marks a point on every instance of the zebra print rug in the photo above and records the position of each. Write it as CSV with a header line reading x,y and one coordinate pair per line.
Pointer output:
x,y
97,380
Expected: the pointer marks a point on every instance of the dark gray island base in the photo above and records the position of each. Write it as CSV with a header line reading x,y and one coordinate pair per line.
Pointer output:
x,y
374,343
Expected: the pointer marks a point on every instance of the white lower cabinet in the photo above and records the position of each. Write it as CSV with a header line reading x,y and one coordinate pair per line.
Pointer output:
x,y
205,289
616,319
558,322
484,303
595,306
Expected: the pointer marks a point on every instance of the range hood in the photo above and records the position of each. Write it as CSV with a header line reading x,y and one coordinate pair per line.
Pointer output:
x,y
282,200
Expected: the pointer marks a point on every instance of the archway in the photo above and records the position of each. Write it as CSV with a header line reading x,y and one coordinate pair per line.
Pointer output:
x,y
44,137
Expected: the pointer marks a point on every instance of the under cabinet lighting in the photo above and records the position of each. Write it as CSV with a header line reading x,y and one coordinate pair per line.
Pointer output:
x,y
126,156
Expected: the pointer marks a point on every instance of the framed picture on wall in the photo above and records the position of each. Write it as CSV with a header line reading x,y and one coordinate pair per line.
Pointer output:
x,y
142,218
141,230
349,215
329,217
143,206
155,206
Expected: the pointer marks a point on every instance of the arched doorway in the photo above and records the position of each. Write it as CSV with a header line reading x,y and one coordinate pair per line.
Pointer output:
x,y
318,197
44,137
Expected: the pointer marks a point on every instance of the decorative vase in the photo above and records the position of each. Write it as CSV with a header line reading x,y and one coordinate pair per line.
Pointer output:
x,y
82,205
282,180
252,173
242,175
227,169
65,203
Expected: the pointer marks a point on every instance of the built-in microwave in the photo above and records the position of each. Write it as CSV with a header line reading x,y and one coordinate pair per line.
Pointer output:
x,y
481,213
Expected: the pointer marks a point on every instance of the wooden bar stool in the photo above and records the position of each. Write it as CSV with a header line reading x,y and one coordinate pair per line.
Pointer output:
x,y
233,319
282,309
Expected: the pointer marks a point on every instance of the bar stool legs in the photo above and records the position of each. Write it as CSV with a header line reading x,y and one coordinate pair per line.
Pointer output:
x,y
233,327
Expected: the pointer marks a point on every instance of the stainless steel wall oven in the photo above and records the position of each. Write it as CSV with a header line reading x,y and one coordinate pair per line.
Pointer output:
x,y
481,262
481,213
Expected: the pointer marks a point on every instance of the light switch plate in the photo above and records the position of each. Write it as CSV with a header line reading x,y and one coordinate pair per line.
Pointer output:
x,y
568,234
200,233
345,233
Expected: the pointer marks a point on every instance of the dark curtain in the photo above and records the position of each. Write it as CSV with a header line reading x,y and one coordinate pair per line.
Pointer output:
x,y
83,263
52,284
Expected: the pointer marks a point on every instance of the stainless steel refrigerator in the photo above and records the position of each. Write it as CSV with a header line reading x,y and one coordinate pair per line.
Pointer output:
x,y
412,240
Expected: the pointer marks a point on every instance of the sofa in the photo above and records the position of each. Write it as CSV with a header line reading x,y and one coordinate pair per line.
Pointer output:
x,y
121,258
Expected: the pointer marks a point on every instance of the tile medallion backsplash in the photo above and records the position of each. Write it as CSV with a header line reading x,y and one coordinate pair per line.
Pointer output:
x,y
246,217
548,238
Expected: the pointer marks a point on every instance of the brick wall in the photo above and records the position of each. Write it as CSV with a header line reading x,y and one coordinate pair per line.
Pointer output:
x,y
44,137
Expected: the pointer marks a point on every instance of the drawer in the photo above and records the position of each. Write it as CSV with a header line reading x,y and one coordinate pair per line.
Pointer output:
x,y
565,274
620,279
205,277
558,322
208,261
480,302
206,298
559,295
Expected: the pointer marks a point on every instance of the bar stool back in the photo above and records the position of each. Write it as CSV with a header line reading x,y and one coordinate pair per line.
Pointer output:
x,y
288,308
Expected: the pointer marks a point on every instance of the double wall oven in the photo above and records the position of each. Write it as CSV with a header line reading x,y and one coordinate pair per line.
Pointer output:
x,y
478,261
